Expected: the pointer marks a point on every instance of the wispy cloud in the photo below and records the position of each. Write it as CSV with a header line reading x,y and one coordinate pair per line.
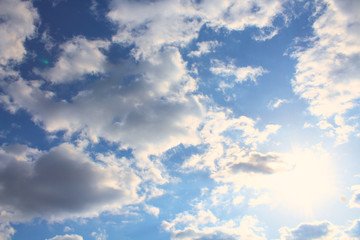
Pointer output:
x,y
240,74
273,104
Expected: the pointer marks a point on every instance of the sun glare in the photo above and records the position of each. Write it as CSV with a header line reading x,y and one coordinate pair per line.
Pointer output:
x,y
308,185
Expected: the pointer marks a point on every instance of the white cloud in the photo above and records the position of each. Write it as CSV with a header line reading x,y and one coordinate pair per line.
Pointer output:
x,y
151,25
204,225
273,104
151,210
146,106
204,47
6,231
67,237
63,183
327,72
100,235
339,129
68,229
17,23
241,74
79,57
222,136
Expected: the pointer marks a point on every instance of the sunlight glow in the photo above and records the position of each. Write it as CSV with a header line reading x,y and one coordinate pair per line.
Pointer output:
x,y
308,185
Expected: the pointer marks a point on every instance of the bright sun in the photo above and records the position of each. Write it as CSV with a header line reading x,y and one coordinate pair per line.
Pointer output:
x,y
308,185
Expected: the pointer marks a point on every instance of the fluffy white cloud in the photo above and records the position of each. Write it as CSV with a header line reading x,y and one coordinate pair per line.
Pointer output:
x,y
62,183
152,210
17,23
340,129
67,237
327,72
151,25
79,57
147,106
241,74
223,135
204,225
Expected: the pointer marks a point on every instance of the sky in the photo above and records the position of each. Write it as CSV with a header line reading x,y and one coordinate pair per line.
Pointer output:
x,y
179,119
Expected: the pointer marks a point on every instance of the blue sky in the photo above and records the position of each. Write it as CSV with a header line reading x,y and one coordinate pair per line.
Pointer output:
x,y
178,119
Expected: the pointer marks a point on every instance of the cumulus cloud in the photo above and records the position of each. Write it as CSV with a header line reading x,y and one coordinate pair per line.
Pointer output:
x,y
150,25
222,135
147,106
240,74
79,57
327,75
62,183
67,237
339,129
204,225
17,23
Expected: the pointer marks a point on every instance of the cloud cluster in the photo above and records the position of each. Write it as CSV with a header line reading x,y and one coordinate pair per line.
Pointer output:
x,y
79,57
240,74
62,183
203,224
147,106
327,75
151,25
223,135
